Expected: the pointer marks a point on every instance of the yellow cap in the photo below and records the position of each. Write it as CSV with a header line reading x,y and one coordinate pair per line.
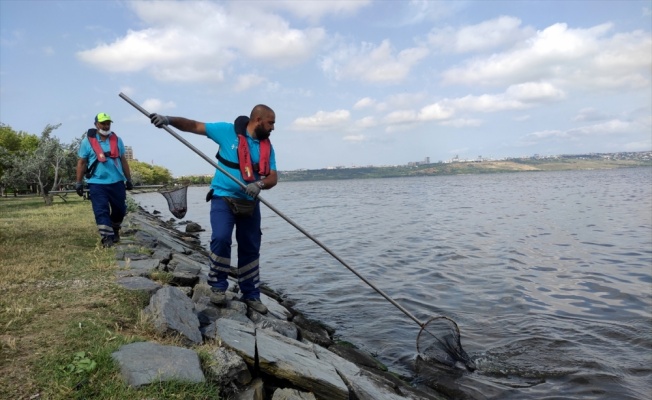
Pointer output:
x,y
102,117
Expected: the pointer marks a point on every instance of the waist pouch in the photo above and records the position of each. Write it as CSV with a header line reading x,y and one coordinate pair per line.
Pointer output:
x,y
241,207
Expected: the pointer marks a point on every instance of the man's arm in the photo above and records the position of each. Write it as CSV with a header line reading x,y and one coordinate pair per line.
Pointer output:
x,y
270,180
182,124
81,169
125,167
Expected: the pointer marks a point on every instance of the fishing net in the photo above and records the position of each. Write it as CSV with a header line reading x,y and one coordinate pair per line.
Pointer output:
x,y
177,200
439,340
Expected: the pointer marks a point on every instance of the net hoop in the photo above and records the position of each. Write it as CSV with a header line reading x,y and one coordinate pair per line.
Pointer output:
x,y
177,199
424,326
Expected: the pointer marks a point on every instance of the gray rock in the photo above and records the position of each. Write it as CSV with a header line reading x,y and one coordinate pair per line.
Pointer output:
x,y
255,391
365,385
356,356
193,227
139,267
292,394
227,366
172,312
238,337
139,283
274,308
184,279
285,328
145,363
292,360
146,239
182,263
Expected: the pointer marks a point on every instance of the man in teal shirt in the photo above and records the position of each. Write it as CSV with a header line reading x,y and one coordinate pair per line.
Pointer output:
x,y
103,164
246,153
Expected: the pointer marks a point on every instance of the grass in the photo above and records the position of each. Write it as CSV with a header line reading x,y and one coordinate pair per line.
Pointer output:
x,y
61,313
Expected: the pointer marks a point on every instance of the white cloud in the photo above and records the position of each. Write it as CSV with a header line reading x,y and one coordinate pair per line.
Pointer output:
x,y
373,64
245,82
462,123
156,105
199,40
614,127
364,103
365,123
400,117
535,92
354,138
435,112
314,10
590,114
483,37
570,57
323,120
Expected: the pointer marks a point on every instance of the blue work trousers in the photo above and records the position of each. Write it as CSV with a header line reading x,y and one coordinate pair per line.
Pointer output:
x,y
109,206
248,237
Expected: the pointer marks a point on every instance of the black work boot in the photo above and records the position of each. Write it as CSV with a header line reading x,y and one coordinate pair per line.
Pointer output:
x,y
107,241
116,233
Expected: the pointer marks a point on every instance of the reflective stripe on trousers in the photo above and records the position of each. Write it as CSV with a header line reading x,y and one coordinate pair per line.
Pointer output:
x,y
248,238
109,206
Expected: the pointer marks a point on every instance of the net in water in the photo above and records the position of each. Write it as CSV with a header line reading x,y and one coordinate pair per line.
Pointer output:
x,y
439,340
177,200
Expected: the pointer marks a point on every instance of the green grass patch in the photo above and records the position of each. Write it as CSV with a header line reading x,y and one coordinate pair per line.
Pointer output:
x,y
61,313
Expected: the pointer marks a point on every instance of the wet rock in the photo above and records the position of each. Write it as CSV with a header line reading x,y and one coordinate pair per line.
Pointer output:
x,y
193,227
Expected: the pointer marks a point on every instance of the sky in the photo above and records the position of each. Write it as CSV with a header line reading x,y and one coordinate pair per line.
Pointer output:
x,y
352,83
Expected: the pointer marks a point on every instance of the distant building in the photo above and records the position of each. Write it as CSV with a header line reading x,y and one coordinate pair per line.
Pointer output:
x,y
129,153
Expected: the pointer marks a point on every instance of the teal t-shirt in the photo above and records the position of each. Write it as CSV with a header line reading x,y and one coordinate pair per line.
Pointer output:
x,y
106,172
223,133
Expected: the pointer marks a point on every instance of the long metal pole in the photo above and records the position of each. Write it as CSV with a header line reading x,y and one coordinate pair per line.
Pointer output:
x,y
280,214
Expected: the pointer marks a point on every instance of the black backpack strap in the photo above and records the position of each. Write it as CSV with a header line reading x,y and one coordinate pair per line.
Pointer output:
x,y
240,127
226,162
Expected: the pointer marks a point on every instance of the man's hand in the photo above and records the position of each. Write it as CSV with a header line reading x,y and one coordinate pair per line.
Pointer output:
x,y
79,188
158,120
129,185
253,189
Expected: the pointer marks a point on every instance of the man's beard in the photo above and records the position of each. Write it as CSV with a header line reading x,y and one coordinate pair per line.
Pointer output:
x,y
261,133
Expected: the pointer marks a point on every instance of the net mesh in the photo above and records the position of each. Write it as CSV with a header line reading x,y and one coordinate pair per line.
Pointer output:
x,y
177,200
439,340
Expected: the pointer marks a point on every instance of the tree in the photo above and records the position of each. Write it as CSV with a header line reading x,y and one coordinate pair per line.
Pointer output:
x,y
48,165
13,147
146,174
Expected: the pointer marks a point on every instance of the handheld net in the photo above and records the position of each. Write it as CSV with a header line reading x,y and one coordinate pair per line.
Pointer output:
x,y
176,198
439,340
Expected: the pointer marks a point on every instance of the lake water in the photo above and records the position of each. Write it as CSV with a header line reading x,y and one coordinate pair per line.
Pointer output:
x,y
547,274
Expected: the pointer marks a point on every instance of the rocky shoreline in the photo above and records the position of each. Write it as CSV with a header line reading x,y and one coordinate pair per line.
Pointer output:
x,y
279,355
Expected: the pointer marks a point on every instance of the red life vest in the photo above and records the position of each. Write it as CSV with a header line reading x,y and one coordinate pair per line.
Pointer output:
x,y
95,144
244,163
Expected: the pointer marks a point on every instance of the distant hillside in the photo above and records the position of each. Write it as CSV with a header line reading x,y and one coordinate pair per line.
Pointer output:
x,y
560,163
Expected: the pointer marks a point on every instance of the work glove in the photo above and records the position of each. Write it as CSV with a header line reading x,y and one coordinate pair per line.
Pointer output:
x,y
129,185
79,188
158,120
253,189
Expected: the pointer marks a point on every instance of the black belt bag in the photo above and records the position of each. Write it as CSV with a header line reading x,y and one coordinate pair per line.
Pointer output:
x,y
241,207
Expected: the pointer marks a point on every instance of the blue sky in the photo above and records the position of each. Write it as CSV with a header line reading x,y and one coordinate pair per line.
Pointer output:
x,y
353,83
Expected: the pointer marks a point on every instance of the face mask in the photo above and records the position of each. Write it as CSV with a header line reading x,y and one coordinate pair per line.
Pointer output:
x,y
103,132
